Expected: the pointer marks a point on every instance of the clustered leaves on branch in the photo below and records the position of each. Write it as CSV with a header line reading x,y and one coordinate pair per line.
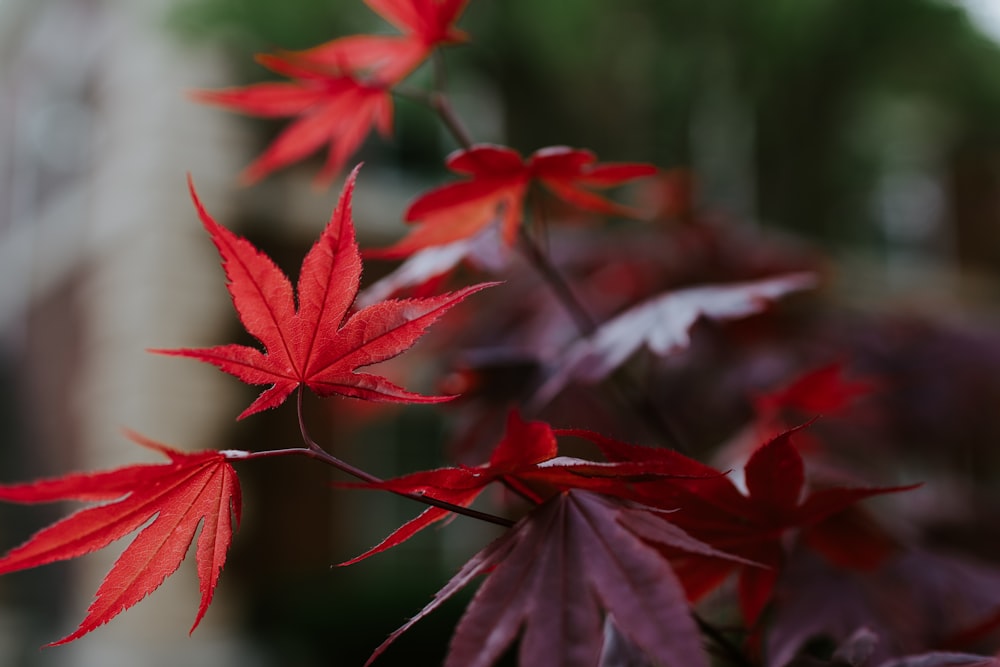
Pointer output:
x,y
618,548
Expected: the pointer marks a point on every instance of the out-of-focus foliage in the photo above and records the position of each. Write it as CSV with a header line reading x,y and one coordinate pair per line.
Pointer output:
x,y
792,112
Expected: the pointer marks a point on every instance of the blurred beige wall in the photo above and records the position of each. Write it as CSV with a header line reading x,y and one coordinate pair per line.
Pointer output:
x,y
96,137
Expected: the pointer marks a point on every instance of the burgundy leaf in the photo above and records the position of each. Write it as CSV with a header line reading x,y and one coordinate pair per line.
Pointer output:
x,y
915,601
554,576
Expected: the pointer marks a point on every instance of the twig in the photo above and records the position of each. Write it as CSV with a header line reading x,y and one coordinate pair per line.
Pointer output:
x,y
585,324
624,387
314,451
727,648
440,102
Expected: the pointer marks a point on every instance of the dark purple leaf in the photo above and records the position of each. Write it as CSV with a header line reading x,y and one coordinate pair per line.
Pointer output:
x,y
555,575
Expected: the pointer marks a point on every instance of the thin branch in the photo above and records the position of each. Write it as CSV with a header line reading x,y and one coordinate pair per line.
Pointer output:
x,y
564,293
623,386
726,647
314,451
441,104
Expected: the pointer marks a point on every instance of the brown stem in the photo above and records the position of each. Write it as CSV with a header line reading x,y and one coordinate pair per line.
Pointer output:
x,y
564,293
442,105
624,387
726,647
314,451
437,100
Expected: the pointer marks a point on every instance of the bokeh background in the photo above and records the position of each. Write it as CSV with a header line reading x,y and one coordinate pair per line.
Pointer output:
x,y
869,131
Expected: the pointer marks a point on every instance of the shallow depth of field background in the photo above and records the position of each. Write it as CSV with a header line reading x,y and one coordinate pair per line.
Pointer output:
x,y
866,131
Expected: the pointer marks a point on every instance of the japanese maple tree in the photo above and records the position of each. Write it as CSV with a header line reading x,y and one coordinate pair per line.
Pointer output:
x,y
689,549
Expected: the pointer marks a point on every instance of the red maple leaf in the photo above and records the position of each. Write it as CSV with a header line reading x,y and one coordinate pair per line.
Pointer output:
x,y
551,576
340,90
334,109
498,183
192,489
752,525
425,24
315,343
526,458
820,391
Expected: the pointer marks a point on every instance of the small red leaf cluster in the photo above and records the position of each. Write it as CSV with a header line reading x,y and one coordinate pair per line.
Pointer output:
x,y
312,341
496,189
340,90
526,460
753,525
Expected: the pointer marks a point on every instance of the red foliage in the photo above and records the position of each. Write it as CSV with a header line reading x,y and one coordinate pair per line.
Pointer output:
x,y
316,343
388,59
525,459
752,525
498,183
332,109
620,541
191,489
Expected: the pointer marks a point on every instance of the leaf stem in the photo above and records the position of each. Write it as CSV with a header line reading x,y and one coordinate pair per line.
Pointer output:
x,y
441,104
623,386
585,324
438,101
726,646
314,451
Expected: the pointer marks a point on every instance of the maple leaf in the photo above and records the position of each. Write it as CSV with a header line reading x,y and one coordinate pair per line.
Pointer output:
x,y
192,489
523,444
332,108
751,525
857,651
340,90
499,180
822,390
425,24
526,454
663,323
315,344
915,601
552,575
484,250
